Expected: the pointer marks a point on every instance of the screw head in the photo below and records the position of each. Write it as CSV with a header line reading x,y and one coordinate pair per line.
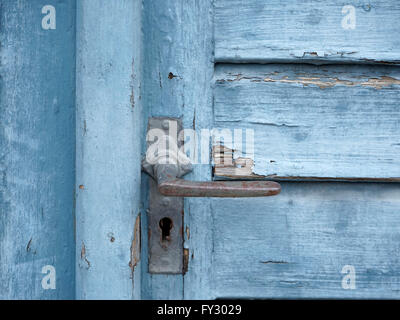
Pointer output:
x,y
166,202
165,124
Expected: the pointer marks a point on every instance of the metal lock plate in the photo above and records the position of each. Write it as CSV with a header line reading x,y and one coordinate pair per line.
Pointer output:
x,y
165,216
165,233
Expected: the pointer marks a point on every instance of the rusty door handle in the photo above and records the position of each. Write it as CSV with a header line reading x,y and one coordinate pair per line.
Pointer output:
x,y
169,184
223,189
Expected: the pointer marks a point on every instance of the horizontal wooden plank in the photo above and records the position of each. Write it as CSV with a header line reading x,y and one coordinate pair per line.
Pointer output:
x,y
312,30
296,244
340,122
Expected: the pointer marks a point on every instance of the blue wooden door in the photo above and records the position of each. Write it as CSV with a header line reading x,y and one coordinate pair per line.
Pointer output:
x,y
316,85
307,90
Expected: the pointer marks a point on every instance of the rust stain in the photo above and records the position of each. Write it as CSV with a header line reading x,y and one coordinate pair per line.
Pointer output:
x,y
81,187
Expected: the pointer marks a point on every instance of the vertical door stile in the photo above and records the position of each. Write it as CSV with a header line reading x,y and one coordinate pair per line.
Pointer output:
x,y
108,124
178,65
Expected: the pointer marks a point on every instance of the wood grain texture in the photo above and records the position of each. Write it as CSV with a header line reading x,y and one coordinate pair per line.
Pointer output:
x,y
314,121
37,149
177,81
109,120
311,30
296,244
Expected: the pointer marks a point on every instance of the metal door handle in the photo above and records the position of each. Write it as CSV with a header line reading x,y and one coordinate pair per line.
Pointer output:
x,y
223,189
170,185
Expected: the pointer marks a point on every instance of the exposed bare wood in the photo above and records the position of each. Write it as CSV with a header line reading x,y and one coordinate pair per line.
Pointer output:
x,y
226,165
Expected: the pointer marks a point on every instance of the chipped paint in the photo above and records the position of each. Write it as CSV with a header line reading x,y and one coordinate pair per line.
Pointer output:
x,y
185,261
187,233
383,81
135,246
83,255
226,165
320,80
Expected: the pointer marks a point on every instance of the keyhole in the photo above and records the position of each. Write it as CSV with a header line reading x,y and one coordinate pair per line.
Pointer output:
x,y
166,226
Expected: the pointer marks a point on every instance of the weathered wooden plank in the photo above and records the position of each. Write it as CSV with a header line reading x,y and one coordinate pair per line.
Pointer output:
x,y
37,149
334,121
109,119
295,245
265,31
177,82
